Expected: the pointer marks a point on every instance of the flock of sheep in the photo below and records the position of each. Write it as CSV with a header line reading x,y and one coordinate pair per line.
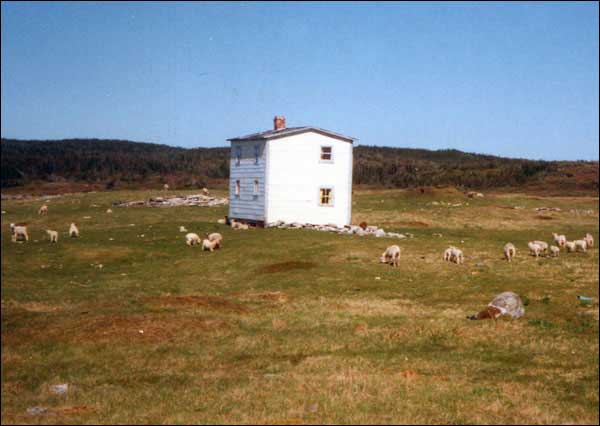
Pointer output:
x,y
506,303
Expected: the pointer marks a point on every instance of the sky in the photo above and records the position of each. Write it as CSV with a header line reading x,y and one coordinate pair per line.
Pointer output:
x,y
510,79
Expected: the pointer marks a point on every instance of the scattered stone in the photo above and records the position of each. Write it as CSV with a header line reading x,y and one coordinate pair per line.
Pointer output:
x,y
59,389
37,410
199,200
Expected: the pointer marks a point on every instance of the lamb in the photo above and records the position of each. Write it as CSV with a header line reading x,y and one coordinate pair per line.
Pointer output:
x,y
560,240
222,221
507,303
580,245
166,187
453,254
391,255
570,245
589,239
43,210
554,251
543,245
205,191
18,232
215,237
53,235
192,239
182,229
73,231
238,225
108,211
509,251
210,245
534,248
448,254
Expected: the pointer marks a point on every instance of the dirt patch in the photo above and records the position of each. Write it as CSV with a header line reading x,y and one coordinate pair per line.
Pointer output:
x,y
542,217
213,302
414,223
275,296
31,306
286,266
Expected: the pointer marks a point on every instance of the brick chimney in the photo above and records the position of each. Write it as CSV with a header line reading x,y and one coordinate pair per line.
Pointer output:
x,y
279,122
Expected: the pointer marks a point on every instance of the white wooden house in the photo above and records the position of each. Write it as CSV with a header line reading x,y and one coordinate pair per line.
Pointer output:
x,y
293,174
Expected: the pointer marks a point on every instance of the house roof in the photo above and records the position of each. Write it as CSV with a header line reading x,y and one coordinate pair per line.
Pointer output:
x,y
289,131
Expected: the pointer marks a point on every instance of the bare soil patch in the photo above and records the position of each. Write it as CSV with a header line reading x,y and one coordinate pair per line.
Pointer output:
x,y
286,266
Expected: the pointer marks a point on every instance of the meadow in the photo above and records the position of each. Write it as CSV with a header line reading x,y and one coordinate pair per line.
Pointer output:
x,y
297,326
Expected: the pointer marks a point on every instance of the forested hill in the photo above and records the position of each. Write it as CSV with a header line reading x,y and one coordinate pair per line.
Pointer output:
x,y
114,163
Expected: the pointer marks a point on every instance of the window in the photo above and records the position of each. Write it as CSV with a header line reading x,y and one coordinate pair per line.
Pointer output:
x,y
256,153
255,186
237,188
326,154
326,196
238,155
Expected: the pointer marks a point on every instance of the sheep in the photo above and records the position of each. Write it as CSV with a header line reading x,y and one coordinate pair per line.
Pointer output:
x,y
589,239
182,229
543,245
560,240
18,232
108,211
73,231
391,255
507,303
210,245
554,251
43,210
238,225
53,235
215,237
580,245
457,256
509,251
166,187
570,245
205,191
192,239
448,254
222,221
534,248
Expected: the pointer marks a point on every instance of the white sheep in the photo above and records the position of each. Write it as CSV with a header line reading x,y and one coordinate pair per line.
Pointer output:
x,y
589,239
166,187
570,245
509,251
215,237
391,255
221,221
448,254
53,235
205,191
534,248
73,231
192,239
457,256
554,251
543,245
238,225
43,210
210,245
580,245
560,240
182,229
18,231
108,211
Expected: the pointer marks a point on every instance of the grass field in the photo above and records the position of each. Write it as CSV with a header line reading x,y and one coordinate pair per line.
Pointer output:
x,y
298,326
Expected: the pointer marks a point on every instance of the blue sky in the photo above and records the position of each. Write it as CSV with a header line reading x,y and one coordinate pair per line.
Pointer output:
x,y
514,79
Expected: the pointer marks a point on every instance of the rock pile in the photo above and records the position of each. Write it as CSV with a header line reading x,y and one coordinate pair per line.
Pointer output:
x,y
347,229
175,201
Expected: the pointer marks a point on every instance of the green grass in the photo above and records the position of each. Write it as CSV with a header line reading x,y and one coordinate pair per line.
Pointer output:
x,y
293,326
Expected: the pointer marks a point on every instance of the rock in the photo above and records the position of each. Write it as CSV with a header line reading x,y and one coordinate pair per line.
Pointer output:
x,y
37,410
59,389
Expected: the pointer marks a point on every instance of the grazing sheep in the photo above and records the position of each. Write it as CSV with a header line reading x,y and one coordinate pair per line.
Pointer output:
x,y
216,237
543,245
73,231
453,254
192,239
580,245
391,255
554,251
534,248
43,210
509,251
210,245
53,235
570,245
448,254
18,232
507,303
182,229
589,239
560,240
